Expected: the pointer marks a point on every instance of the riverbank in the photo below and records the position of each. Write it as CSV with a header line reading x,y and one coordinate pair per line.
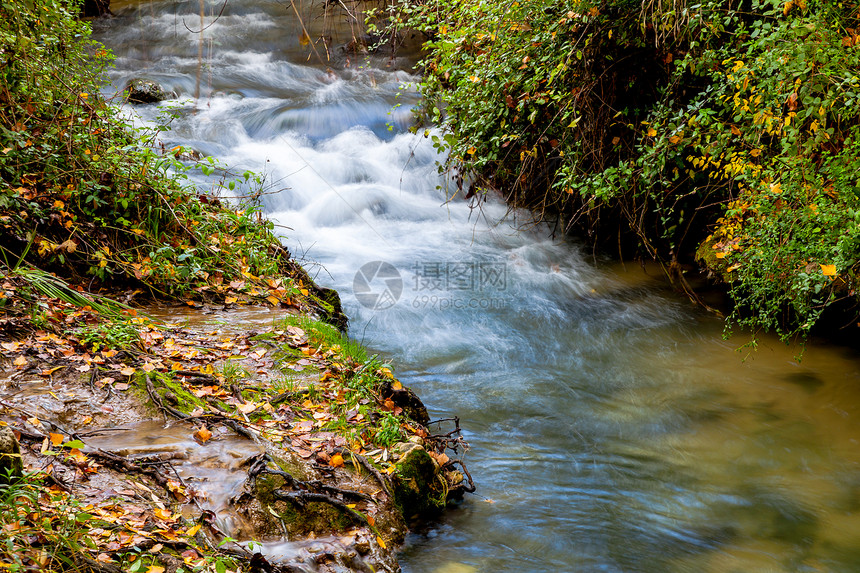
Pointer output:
x,y
703,136
214,438
104,244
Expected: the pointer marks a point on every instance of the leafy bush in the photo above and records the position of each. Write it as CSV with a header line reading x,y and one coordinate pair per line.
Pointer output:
x,y
659,122
84,195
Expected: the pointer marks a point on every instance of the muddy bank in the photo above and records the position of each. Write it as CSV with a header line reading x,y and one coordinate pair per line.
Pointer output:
x,y
261,441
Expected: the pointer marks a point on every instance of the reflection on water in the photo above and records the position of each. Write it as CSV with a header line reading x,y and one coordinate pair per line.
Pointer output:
x,y
613,429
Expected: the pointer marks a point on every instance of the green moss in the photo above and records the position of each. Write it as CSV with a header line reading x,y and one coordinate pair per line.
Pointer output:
x,y
415,484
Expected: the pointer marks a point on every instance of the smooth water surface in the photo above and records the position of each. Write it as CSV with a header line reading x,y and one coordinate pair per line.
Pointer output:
x,y
612,428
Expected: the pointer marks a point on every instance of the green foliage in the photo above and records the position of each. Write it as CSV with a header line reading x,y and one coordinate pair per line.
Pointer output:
x,y
82,193
663,120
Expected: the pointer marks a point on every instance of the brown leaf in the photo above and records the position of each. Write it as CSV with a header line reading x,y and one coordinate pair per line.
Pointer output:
x,y
202,435
20,361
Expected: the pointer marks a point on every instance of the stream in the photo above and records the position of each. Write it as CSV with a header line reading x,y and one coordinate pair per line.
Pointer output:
x,y
612,427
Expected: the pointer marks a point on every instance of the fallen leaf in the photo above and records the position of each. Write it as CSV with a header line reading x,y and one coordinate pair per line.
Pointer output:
x,y
202,435
336,461
380,541
56,439
20,361
127,371
247,407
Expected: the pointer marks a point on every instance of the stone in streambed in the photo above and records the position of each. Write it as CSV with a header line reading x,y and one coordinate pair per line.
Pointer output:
x,y
415,483
139,90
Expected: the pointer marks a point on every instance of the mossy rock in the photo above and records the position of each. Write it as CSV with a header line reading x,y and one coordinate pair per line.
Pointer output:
x,y
11,465
707,257
415,485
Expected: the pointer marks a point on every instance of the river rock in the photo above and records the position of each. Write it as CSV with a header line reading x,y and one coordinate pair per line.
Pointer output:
x,y
141,90
415,484
11,465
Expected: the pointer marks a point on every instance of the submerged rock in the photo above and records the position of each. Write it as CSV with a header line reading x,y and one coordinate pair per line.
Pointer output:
x,y
139,90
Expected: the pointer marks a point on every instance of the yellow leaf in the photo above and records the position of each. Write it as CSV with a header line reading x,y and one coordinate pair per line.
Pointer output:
x,y
336,461
20,361
230,299
380,541
652,132
735,130
193,531
274,300
471,151
674,139
828,270
304,291
56,439
720,255
304,39
755,152
162,513
396,385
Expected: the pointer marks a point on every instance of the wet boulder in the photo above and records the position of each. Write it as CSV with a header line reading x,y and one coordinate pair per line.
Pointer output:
x,y
139,90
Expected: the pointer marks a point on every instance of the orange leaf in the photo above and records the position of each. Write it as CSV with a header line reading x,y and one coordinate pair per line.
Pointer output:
x,y
380,541
336,461
56,439
20,361
828,270
202,435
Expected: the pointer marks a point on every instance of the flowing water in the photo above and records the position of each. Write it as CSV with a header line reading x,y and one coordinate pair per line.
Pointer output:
x,y
612,428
